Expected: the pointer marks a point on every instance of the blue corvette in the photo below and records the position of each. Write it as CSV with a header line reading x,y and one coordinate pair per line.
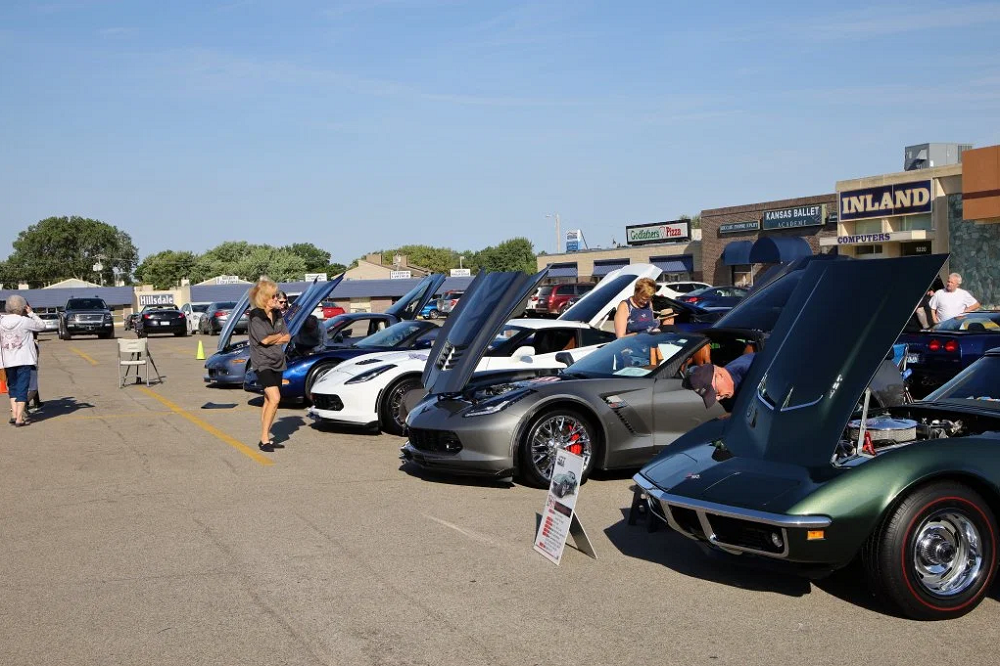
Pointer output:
x,y
350,335
941,352
227,366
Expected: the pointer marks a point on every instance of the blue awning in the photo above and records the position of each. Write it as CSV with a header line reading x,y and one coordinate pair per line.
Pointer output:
x,y
737,253
607,265
562,270
681,263
779,249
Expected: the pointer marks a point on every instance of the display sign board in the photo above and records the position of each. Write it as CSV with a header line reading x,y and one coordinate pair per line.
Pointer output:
x,y
658,232
461,272
564,489
736,227
155,299
318,277
227,279
573,240
793,218
886,201
400,275
868,239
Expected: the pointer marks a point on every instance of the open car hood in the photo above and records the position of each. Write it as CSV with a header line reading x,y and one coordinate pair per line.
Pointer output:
x,y
226,334
491,300
824,349
593,308
410,305
304,305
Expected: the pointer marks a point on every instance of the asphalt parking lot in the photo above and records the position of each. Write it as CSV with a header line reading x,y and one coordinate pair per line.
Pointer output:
x,y
142,526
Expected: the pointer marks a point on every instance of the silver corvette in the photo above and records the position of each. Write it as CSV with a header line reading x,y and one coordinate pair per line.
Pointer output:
x,y
616,407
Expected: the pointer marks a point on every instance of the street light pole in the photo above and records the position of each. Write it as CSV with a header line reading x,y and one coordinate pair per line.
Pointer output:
x,y
558,237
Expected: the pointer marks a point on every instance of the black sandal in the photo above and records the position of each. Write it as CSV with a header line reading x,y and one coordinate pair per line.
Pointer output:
x,y
266,446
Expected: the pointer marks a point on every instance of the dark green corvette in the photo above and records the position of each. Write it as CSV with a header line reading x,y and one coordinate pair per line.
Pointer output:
x,y
794,474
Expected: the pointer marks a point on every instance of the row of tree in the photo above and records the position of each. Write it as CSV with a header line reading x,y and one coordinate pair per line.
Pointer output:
x,y
58,248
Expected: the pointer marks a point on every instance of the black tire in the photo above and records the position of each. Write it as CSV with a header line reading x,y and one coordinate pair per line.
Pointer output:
x,y
67,336
316,371
391,409
181,334
535,466
921,560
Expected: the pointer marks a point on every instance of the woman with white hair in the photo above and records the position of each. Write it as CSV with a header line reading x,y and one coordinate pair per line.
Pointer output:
x,y
18,353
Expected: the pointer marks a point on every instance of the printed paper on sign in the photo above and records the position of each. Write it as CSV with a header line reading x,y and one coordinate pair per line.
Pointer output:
x,y
559,505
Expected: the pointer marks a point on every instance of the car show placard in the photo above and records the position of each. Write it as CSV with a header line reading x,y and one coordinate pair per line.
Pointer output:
x,y
557,521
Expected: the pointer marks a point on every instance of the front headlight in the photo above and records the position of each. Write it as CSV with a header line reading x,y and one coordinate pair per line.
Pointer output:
x,y
369,375
498,404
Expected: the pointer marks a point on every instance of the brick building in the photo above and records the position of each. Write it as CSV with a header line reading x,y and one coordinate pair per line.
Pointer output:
x,y
739,242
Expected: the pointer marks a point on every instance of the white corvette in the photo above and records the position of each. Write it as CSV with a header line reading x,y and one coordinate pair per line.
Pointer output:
x,y
372,390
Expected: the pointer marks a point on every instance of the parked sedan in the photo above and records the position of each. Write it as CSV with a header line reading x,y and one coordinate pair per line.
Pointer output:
x,y
194,312
716,297
678,289
941,352
51,320
164,318
216,316
805,473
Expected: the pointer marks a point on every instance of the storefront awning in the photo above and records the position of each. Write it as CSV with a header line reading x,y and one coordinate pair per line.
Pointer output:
x,y
567,270
607,265
737,253
681,263
779,249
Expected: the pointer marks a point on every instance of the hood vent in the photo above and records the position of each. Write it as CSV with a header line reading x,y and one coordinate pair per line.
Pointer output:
x,y
450,357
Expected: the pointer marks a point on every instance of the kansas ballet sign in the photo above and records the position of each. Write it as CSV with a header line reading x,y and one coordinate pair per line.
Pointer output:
x,y
886,201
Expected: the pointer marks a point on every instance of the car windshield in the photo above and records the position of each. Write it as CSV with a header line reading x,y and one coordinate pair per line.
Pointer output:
x,y
86,304
228,305
200,307
631,356
509,339
48,315
981,322
394,335
598,299
978,382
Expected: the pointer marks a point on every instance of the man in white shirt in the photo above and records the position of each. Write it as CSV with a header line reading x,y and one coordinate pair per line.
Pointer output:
x,y
952,300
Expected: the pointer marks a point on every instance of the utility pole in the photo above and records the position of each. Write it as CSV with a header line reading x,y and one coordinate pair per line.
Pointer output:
x,y
558,237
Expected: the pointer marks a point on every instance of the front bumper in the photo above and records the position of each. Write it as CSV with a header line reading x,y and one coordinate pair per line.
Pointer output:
x,y
738,530
344,407
225,372
85,328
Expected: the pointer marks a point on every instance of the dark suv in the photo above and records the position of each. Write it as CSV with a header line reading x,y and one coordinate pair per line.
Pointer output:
x,y
554,299
86,316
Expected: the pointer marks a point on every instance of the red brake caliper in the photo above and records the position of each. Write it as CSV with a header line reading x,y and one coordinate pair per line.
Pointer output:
x,y
575,448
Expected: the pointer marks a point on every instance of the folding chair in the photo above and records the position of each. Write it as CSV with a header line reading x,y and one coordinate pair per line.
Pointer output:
x,y
133,354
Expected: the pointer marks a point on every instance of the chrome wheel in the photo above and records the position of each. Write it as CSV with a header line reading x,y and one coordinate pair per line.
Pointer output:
x,y
947,553
559,431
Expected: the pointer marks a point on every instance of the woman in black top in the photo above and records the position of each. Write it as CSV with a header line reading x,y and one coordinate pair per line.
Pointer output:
x,y
268,336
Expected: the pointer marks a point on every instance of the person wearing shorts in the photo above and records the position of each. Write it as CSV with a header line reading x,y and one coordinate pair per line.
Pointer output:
x,y
268,335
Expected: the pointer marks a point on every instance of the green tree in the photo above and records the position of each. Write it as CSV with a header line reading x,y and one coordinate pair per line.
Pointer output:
x,y
695,221
58,248
334,269
165,269
435,259
278,264
516,254
316,260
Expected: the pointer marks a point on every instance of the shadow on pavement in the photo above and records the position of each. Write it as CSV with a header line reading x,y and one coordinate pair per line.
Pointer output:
x,y
344,429
57,407
453,480
686,557
284,427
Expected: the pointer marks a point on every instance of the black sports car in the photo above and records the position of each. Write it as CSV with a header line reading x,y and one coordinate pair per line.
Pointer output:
x,y
161,319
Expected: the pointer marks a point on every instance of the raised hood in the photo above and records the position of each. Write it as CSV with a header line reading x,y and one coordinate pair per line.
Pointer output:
x,y
226,334
304,305
482,312
593,308
410,305
824,349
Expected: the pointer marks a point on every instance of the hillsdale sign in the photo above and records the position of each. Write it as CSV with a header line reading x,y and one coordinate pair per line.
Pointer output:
x,y
657,233
886,201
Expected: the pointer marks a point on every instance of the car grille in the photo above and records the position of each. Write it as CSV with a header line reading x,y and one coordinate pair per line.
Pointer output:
x,y
744,533
330,403
435,441
688,521
89,318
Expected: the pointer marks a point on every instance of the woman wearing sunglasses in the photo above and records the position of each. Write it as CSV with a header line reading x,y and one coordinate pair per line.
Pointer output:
x,y
268,335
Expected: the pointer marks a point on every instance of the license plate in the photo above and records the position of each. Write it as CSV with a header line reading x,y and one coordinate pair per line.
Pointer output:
x,y
164,323
913,358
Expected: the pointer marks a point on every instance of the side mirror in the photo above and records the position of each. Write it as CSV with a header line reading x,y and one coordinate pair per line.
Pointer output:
x,y
565,358
526,350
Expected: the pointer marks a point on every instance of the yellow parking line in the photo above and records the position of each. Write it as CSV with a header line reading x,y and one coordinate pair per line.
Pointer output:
x,y
83,356
209,428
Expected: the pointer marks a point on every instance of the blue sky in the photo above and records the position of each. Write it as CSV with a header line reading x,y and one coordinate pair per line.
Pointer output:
x,y
366,124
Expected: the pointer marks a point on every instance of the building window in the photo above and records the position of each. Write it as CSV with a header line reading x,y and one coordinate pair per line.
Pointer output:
x,y
868,227
914,223
742,275
868,251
